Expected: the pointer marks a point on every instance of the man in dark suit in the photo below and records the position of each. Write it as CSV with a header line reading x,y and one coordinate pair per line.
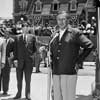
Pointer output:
x,y
65,57
24,51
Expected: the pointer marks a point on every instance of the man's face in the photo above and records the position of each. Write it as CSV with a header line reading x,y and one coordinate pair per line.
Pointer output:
x,y
62,21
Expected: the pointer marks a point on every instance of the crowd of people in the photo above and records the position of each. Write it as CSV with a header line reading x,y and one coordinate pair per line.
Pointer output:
x,y
89,29
21,48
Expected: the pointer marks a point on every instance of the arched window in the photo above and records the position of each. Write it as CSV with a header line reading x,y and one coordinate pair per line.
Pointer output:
x,y
55,6
38,6
23,4
73,5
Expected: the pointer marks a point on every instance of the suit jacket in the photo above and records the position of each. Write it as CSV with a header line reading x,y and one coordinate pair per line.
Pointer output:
x,y
65,53
2,51
9,50
24,50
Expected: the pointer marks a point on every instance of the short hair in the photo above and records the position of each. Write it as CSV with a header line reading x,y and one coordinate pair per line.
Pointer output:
x,y
63,12
84,22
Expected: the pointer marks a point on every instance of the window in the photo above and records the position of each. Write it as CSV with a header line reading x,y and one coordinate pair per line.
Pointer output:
x,y
46,9
64,7
23,4
55,5
73,4
38,5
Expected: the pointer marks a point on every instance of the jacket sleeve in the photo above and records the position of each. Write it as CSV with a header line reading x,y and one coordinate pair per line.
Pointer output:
x,y
15,51
14,48
10,51
10,47
3,52
34,45
87,46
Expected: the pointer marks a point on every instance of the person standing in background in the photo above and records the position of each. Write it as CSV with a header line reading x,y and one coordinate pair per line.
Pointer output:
x,y
65,57
23,55
5,72
2,53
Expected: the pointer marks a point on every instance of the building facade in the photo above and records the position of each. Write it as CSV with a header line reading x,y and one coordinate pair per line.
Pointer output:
x,y
45,11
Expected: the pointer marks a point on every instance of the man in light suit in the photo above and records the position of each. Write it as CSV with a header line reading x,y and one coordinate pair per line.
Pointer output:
x,y
65,57
5,72
2,53
23,53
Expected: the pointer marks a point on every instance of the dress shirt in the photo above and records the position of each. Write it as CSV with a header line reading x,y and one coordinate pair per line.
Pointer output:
x,y
25,38
61,32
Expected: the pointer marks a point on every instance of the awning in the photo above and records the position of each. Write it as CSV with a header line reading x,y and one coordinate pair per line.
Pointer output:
x,y
64,7
46,9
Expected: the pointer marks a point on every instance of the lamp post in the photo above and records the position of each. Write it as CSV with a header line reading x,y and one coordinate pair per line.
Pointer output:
x,y
97,75
21,18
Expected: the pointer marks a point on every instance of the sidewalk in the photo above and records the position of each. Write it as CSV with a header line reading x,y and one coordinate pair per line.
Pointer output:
x,y
92,64
86,77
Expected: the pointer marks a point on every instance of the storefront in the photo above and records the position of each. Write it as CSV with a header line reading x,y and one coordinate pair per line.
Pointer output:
x,y
90,10
42,12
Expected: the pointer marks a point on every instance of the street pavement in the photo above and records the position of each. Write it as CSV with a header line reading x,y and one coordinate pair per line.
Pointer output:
x,y
85,81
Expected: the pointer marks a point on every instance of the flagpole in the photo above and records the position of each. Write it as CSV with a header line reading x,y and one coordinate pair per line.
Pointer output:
x,y
50,95
49,74
97,75
99,30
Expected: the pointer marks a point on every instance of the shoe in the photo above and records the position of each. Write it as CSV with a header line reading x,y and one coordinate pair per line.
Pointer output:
x,y
45,65
17,97
4,93
28,98
81,68
38,71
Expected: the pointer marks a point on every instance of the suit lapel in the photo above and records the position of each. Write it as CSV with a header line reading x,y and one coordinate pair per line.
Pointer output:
x,y
54,44
67,36
55,41
65,33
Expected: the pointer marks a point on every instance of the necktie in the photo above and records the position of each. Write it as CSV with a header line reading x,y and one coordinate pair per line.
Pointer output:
x,y
59,36
24,38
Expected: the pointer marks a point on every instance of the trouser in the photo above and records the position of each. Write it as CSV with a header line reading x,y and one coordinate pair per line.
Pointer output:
x,y
27,71
64,87
37,59
4,79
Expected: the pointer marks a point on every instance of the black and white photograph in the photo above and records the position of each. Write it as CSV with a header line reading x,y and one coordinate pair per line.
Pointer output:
x,y
49,49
